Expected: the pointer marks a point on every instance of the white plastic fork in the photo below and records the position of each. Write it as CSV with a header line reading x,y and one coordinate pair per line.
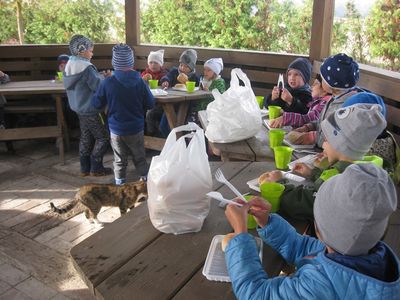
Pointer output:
x,y
221,178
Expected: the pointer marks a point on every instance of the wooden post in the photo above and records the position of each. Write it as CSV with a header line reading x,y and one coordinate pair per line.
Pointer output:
x,y
321,30
132,22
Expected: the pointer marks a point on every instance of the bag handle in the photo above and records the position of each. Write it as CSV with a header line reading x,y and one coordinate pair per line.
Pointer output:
x,y
237,74
171,139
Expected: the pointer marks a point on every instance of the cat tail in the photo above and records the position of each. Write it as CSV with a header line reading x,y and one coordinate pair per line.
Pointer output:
x,y
70,205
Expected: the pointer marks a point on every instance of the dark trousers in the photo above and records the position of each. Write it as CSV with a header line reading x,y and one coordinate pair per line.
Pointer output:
x,y
94,138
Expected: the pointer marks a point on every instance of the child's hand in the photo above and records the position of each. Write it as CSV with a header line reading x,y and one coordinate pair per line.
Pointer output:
x,y
275,93
276,123
107,73
1,74
260,209
302,169
301,129
287,96
182,78
147,77
165,85
237,216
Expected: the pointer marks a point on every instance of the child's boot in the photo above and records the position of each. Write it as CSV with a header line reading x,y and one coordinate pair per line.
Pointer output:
x,y
97,168
85,165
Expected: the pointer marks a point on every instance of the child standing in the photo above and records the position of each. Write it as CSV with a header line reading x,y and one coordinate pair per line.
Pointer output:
x,y
155,69
297,94
209,81
320,97
347,261
127,98
185,72
81,80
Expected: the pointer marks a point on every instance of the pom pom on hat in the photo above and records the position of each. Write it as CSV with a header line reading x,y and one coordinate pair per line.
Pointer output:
x,y
156,56
215,64
79,43
340,71
352,209
302,65
122,58
189,57
352,130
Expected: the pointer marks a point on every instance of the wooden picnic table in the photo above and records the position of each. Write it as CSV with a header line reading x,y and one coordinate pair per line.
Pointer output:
x,y
255,148
38,87
130,259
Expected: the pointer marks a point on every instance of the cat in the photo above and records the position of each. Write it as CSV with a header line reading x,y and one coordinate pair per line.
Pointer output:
x,y
91,197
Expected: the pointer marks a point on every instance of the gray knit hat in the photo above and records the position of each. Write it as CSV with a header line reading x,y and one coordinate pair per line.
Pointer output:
x,y
189,57
353,129
352,209
79,43
122,58
302,65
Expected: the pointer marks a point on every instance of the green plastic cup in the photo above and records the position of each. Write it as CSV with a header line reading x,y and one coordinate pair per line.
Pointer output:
x,y
274,111
190,86
60,76
153,83
375,159
276,137
251,222
260,100
283,156
272,191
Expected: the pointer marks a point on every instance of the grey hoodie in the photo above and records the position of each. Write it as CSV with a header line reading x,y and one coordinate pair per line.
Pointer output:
x,y
81,86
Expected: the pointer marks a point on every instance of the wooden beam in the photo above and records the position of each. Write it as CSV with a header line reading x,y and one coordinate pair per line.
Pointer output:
x,y
321,30
132,22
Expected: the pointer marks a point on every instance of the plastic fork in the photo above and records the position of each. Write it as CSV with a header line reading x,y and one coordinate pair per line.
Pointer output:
x,y
221,178
218,196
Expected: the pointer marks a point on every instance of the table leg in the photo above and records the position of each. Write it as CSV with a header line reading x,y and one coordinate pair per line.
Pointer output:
x,y
170,114
62,126
182,113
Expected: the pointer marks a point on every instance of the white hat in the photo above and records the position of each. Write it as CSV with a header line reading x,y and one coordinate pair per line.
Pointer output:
x,y
156,56
215,64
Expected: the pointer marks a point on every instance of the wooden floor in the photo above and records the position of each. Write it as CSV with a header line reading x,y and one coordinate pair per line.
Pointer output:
x,y
35,243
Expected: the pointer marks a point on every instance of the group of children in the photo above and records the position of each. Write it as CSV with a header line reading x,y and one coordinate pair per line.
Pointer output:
x,y
348,204
125,96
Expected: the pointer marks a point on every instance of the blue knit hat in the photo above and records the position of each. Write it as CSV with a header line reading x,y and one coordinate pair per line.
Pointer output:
x,y
79,43
303,66
122,58
340,71
366,98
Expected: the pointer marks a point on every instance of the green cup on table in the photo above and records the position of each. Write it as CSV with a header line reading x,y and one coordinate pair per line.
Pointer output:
x,y
153,83
251,222
190,85
283,156
274,111
260,101
59,76
276,137
272,191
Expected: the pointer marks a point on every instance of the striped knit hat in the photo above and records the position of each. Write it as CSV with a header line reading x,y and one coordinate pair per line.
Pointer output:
x,y
122,58
79,43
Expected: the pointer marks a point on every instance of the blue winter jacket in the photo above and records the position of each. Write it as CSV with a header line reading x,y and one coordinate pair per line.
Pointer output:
x,y
317,276
172,76
80,88
128,98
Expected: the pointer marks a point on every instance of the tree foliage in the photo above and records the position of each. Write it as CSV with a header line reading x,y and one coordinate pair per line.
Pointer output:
x,y
55,21
383,30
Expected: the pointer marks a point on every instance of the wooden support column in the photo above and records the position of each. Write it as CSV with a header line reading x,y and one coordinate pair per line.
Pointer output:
x,y
132,22
321,31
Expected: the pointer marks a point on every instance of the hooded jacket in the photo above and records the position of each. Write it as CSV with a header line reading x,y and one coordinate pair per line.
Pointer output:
x,y
128,98
81,80
319,275
301,97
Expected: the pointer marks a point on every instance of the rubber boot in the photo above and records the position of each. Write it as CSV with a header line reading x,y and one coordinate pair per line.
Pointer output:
x,y
85,165
97,168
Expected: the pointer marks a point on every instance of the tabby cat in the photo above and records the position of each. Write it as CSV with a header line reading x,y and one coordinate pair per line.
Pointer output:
x,y
92,197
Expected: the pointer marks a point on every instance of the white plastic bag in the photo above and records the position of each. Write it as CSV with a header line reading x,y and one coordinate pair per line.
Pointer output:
x,y
178,181
234,115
